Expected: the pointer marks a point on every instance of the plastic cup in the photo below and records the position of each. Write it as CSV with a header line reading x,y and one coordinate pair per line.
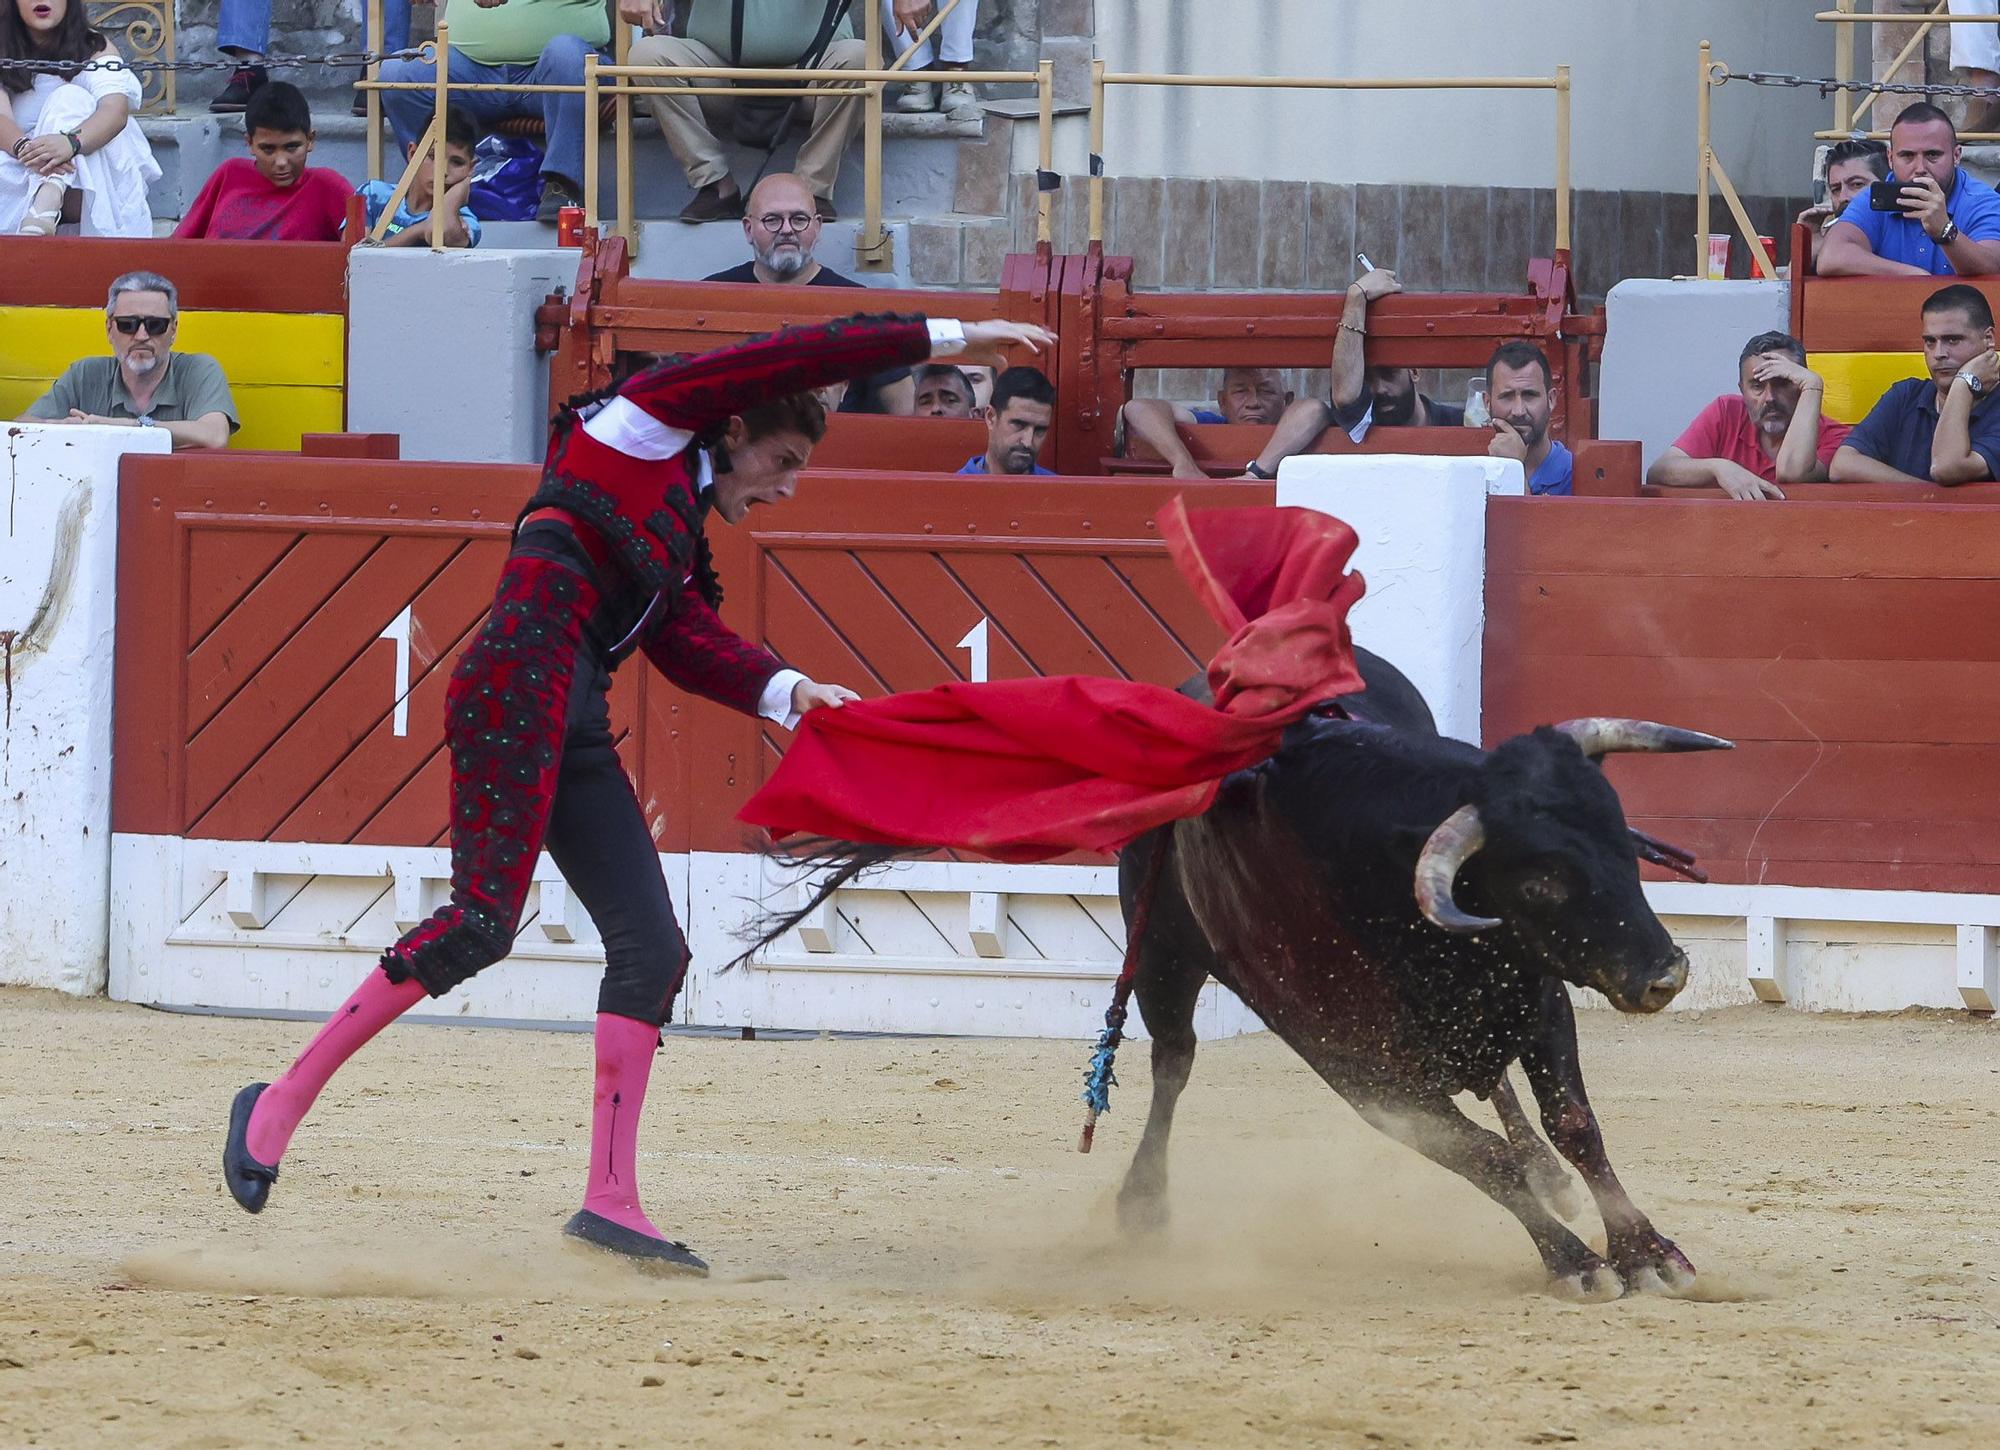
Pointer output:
x,y
1718,256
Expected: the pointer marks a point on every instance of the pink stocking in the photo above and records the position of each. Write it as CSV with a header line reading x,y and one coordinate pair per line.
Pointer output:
x,y
624,1061
375,1004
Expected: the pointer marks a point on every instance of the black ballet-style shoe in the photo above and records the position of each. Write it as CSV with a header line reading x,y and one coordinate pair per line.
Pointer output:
x,y
657,1255
249,1181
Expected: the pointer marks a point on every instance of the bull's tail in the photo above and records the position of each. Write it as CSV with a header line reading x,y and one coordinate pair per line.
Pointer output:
x,y
842,861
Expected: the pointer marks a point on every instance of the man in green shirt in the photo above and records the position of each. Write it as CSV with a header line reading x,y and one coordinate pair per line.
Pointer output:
x,y
144,383
775,33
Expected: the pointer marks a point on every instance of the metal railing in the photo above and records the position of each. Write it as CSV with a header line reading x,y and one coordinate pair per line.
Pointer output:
x,y
1854,117
143,31
1713,73
1101,80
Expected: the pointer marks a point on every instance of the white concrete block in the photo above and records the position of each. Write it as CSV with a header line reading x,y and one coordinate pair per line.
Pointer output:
x,y
58,569
1671,346
1422,523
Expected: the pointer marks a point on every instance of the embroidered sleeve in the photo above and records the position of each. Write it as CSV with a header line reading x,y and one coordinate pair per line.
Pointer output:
x,y
698,652
693,393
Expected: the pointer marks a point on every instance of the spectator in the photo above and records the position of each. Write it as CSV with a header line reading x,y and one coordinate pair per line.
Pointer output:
x,y
1950,220
782,230
1940,429
1851,168
1359,397
948,50
1017,422
272,195
411,225
63,127
144,383
1770,431
1975,49
243,31
1248,395
1518,391
772,33
943,391
517,42
983,378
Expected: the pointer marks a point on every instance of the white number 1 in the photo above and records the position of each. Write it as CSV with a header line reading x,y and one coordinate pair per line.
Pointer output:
x,y
974,644
399,631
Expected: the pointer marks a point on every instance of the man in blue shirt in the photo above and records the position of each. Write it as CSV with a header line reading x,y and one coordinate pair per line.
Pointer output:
x,y
1950,221
1518,392
1943,428
1017,422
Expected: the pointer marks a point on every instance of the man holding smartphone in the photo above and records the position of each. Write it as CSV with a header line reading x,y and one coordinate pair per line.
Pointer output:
x,y
1929,219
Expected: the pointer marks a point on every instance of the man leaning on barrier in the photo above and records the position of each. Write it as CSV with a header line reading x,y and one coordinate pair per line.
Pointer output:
x,y
1944,428
1769,431
144,383
1949,220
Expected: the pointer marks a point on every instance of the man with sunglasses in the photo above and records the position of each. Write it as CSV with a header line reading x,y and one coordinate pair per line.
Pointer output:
x,y
144,383
782,228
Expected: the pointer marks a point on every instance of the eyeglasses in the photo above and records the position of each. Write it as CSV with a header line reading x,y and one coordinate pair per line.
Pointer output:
x,y
155,326
775,222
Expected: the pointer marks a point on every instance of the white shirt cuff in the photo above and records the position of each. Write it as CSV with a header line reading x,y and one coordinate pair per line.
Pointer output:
x,y
775,704
947,336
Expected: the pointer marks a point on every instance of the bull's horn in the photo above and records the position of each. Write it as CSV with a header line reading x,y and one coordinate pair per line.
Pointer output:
x,y
1599,735
1451,845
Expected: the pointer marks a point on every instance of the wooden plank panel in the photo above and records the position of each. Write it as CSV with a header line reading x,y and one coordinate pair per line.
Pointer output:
x,y
1743,841
419,813
897,655
1741,618
796,630
313,655
1870,314
222,566
1157,584
1095,592
232,653
1859,781
1931,701
943,610
1675,537
1049,625
209,275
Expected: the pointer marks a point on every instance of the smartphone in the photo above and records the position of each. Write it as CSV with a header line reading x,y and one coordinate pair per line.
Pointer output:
x,y
1361,261
1819,174
1886,195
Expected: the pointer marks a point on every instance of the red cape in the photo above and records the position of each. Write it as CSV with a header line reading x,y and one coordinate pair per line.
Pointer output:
x,y
1021,770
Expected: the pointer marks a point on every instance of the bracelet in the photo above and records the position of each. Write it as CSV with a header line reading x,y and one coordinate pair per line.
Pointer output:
x,y
1357,331
15,150
75,143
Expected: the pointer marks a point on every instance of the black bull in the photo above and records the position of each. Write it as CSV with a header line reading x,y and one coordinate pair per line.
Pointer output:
x,y
1404,910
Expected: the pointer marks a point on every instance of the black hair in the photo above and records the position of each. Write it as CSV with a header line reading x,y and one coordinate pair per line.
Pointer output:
x,y
279,107
73,43
1922,113
1031,384
1518,353
460,129
1960,298
1765,342
946,370
1873,152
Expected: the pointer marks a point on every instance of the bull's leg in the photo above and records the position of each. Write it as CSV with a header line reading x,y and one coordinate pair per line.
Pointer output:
x,y
1545,1171
1437,1129
1645,1258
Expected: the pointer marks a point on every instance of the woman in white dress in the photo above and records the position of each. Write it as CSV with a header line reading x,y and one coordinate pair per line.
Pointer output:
x,y
64,126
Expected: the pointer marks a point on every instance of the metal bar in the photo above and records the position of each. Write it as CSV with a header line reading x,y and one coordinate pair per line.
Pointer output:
x,y
1333,83
1965,137
1743,222
437,132
922,35
779,73
628,208
1045,117
433,137
1562,158
374,100
1701,138
592,145
1096,151
1846,16
1843,69
868,246
1867,107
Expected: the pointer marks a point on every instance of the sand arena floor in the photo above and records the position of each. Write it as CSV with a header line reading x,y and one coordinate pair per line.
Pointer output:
x,y
911,1253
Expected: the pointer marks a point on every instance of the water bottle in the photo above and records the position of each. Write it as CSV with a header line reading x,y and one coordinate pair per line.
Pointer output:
x,y
1477,414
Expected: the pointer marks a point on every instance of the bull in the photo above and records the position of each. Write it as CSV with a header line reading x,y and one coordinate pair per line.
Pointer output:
x,y
1405,911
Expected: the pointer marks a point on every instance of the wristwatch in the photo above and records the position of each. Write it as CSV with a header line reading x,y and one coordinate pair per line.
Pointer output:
x,y
1950,233
1254,471
1971,381
146,419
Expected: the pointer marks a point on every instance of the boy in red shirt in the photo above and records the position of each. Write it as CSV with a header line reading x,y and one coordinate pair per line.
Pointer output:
x,y
273,195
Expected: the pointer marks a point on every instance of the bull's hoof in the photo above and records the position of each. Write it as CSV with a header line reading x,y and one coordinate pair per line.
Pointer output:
x,y
1596,1283
1142,1212
1555,1189
1652,1265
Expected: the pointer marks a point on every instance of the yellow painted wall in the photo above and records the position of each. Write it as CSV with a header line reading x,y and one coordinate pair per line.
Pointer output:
x,y
287,371
1855,380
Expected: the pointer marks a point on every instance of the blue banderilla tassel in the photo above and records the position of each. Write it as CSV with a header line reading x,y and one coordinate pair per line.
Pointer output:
x,y
1100,1079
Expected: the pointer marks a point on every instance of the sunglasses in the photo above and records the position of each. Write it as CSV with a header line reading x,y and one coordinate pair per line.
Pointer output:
x,y
155,326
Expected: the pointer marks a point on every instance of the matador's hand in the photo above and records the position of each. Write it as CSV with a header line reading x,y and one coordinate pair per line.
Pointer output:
x,y
808,696
985,341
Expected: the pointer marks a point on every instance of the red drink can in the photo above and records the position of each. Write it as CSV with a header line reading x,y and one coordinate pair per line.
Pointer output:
x,y
569,227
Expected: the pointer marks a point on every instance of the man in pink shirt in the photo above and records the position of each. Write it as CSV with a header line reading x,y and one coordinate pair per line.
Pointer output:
x,y
1770,431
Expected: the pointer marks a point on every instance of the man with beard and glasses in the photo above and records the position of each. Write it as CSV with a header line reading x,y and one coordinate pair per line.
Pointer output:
x,y
782,227
1943,428
1748,442
1518,390
1247,395
1360,397
144,383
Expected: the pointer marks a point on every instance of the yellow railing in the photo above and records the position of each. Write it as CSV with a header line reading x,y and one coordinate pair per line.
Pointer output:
x,y
1852,117
1101,80
1714,73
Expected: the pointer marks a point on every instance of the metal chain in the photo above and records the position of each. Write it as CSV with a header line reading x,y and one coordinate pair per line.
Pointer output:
x,y
1827,85
339,60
